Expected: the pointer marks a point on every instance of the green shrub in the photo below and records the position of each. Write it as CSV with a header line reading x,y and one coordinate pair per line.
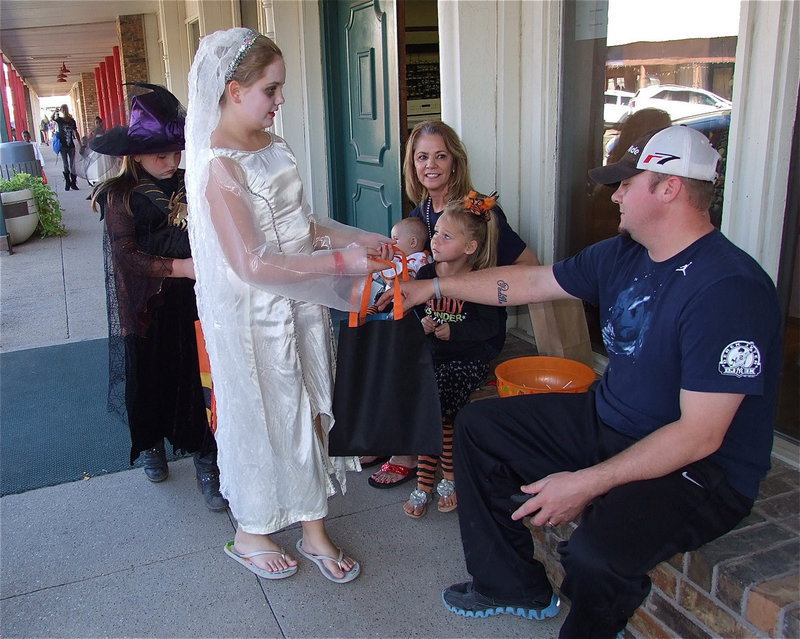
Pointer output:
x,y
47,203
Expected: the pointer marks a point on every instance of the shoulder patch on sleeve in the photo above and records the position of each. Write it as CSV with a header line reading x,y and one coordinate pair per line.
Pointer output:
x,y
740,359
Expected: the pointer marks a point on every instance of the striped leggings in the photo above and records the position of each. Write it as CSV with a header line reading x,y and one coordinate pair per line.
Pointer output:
x,y
456,380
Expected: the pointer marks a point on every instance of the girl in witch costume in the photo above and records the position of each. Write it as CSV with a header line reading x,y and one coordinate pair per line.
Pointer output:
x,y
267,269
154,374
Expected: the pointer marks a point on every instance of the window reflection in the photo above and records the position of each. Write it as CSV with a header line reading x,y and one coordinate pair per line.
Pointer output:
x,y
662,62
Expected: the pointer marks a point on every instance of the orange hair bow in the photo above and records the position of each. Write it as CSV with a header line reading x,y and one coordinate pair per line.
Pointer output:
x,y
480,205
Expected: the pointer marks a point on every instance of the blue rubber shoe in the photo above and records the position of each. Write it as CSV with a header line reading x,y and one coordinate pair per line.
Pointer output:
x,y
463,600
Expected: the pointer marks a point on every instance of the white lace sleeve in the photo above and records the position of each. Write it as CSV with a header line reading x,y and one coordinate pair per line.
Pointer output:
x,y
328,233
332,277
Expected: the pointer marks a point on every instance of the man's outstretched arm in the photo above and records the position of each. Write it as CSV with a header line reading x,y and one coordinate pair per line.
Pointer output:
x,y
500,286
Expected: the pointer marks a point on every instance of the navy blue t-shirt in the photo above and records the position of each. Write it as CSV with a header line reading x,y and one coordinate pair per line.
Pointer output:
x,y
705,320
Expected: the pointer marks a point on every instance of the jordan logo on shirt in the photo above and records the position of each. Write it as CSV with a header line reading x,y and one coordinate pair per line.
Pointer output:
x,y
682,269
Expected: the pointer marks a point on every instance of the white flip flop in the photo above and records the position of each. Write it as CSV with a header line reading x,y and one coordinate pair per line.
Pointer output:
x,y
261,572
320,559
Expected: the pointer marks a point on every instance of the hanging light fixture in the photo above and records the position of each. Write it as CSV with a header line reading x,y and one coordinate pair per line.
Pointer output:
x,y
64,68
60,79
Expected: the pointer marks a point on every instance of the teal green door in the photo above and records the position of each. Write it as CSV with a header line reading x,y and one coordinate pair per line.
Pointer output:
x,y
362,105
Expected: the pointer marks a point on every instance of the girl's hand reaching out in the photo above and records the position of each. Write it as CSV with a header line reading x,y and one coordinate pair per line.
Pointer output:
x,y
428,324
442,331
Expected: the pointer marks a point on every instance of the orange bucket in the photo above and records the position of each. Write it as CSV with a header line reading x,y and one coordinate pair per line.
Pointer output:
x,y
525,375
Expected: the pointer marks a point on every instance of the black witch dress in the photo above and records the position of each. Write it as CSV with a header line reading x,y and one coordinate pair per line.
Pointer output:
x,y
154,375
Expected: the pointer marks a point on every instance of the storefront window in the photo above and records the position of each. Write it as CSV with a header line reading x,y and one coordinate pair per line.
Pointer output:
x,y
631,66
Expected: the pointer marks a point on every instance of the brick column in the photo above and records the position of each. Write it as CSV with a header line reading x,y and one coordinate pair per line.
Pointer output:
x,y
133,51
91,106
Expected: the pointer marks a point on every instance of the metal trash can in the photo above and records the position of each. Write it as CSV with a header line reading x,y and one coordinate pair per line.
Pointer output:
x,y
18,157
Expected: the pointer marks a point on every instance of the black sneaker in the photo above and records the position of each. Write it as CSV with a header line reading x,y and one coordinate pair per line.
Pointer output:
x,y
208,484
155,463
463,600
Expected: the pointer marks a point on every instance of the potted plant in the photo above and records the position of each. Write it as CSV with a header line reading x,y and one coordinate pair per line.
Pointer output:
x,y
47,207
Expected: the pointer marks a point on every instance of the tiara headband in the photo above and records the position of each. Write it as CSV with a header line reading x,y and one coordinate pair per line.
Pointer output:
x,y
249,39
480,205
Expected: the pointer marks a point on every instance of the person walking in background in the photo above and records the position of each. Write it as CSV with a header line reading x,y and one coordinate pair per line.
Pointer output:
x,y
265,267
99,127
150,292
666,453
435,172
44,131
37,152
69,138
459,333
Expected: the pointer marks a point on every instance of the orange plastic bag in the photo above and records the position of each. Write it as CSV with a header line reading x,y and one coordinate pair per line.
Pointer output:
x,y
205,377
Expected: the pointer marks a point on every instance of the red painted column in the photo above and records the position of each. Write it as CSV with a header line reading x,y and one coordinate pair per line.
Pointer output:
x,y
19,106
3,68
108,66
101,107
120,91
12,84
106,102
113,83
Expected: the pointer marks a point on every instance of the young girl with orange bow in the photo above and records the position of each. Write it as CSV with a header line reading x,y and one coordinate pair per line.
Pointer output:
x,y
464,239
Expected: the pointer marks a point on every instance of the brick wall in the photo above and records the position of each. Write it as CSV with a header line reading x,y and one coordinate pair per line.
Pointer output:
x,y
744,584
132,51
91,107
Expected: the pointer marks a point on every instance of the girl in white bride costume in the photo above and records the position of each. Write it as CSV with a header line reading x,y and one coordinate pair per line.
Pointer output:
x,y
267,269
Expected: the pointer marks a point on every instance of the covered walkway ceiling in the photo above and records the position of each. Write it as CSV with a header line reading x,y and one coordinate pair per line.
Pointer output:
x,y
36,36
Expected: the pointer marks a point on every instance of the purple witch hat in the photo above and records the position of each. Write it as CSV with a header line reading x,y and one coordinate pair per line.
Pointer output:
x,y
155,126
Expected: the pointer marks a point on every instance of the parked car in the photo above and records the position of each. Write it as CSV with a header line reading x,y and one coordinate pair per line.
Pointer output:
x,y
715,127
616,106
678,101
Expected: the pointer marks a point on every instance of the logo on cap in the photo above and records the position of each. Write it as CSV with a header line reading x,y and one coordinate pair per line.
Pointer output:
x,y
659,158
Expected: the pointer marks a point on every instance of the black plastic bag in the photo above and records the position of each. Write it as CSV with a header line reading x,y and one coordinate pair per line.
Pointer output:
x,y
385,398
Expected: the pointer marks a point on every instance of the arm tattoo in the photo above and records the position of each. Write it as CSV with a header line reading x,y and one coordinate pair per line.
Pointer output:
x,y
502,287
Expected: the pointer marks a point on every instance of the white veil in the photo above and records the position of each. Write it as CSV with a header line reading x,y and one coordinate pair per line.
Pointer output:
x,y
222,227
231,252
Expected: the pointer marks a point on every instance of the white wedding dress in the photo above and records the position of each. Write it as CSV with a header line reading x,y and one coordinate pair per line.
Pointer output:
x,y
271,356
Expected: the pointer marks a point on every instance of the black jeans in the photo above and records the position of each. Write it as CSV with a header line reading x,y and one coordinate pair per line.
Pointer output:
x,y
502,444
68,159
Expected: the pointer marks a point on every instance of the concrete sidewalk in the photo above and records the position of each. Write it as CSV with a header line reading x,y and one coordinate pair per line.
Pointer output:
x,y
52,290
117,556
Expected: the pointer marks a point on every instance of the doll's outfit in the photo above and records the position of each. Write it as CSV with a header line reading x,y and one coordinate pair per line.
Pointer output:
x,y
381,279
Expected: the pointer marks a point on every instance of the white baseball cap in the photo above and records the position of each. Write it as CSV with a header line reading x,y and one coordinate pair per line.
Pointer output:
x,y
674,150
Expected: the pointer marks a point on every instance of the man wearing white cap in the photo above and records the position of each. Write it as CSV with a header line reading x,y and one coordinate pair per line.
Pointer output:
x,y
666,451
